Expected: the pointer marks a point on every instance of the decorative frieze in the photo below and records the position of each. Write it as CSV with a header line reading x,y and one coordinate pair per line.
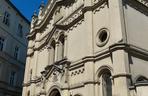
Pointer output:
x,y
145,2
77,72
100,7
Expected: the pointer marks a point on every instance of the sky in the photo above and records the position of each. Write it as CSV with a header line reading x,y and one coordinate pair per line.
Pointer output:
x,y
27,7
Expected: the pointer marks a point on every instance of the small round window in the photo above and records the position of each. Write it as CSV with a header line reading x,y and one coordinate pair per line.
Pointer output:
x,y
102,37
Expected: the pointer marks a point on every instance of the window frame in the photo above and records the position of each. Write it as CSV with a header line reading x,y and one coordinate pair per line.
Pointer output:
x,y
12,78
6,18
16,52
2,41
20,30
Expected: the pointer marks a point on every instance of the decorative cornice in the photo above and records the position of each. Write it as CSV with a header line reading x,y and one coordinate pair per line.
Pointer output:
x,y
107,52
144,2
71,20
74,65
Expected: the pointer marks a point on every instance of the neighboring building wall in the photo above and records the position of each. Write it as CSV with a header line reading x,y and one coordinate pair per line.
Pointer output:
x,y
102,56
13,53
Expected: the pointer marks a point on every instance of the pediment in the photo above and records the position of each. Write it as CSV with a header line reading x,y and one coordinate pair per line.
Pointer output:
x,y
55,9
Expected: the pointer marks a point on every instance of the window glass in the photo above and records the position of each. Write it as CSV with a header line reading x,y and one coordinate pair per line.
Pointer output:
x,y
1,43
107,84
6,18
20,30
16,52
12,78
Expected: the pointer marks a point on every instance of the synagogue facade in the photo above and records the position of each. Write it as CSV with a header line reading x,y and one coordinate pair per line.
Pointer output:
x,y
88,48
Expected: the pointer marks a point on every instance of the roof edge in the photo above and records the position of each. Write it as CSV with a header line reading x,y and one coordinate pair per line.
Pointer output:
x,y
17,10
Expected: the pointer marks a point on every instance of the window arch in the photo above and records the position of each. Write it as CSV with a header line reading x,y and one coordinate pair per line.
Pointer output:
x,y
105,83
141,79
61,47
55,92
28,93
78,95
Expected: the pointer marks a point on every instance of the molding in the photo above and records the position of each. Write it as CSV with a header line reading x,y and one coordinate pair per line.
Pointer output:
x,y
107,52
74,65
72,19
95,6
144,2
79,85
121,75
141,84
11,60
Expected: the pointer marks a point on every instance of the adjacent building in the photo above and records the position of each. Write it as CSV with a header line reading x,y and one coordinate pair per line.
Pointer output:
x,y
88,48
13,48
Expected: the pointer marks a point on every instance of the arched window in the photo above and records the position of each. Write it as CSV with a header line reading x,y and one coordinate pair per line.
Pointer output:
x,y
52,52
28,93
61,47
77,95
55,92
141,79
106,84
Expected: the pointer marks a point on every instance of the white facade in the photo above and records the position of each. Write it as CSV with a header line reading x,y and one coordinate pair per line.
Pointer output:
x,y
88,48
13,48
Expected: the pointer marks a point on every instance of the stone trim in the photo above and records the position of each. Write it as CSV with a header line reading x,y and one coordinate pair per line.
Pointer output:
x,y
81,62
65,27
93,7
79,85
121,75
144,2
141,84
11,60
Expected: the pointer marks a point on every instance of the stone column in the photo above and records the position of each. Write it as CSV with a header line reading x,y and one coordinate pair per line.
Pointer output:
x,y
65,45
56,50
47,56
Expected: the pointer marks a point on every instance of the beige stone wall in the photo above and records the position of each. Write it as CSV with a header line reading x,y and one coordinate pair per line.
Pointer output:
x,y
95,46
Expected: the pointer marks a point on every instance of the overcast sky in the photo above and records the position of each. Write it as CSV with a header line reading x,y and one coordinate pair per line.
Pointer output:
x,y
27,7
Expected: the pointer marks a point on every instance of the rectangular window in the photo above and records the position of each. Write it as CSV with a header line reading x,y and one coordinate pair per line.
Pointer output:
x,y
1,43
6,19
16,52
20,30
12,78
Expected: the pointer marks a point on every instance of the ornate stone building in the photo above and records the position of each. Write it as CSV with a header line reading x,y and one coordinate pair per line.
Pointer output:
x,y
88,48
13,48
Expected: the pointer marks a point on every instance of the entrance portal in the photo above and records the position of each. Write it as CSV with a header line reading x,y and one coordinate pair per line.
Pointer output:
x,y
55,92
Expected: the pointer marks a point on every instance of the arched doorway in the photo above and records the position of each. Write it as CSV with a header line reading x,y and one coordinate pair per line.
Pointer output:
x,y
55,92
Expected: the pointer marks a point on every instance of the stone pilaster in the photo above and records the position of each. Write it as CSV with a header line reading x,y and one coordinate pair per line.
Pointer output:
x,y
89,66
35,63
121,75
